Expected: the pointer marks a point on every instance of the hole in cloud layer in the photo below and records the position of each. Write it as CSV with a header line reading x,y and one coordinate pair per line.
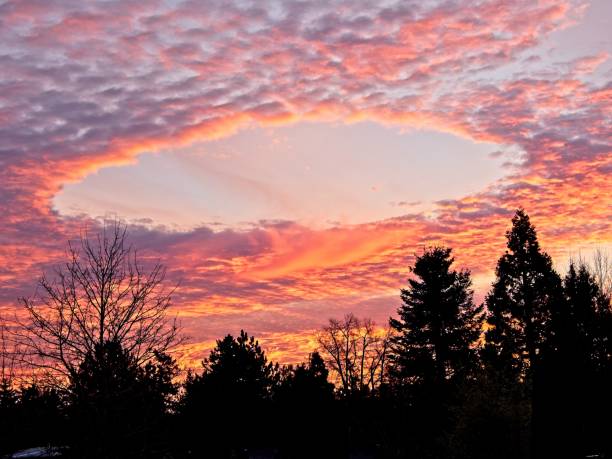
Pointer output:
x,y
320,174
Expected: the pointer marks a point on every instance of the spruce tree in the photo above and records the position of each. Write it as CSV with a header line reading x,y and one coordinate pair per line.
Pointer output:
x,y
577,391
305,410
583,329
231,399
119,408
520,304
524,299
433,349
307,383
438,323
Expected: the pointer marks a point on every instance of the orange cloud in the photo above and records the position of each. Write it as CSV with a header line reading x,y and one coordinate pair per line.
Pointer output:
x,y
97,85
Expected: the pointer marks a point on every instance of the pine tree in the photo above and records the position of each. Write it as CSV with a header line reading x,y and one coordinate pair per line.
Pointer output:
x,y
521,301
433,349
230,399
576,393
239,367
307,383
304,421
438,323
525,297
578,325
118,408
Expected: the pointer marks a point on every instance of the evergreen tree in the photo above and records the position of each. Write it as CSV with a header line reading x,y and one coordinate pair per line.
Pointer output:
x,y
117,407
306,383
590,318
433,350
239,368
525,297
304,410
491,420
524,294
8,410
235,387
580,325
438,323
575,367
30,416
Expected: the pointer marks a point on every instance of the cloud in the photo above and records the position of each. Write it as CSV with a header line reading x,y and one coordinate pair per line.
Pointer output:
x,y
86,85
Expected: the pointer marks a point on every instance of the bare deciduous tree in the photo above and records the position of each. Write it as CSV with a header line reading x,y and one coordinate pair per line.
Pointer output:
x,y
101,294
599,264
601,268
356,351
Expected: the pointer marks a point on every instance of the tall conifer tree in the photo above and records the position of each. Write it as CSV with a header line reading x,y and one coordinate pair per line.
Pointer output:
x,y
438,323
521,302
583,328
525,297
577,387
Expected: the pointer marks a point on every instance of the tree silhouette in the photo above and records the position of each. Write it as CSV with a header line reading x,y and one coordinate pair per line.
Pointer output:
x,y
306,383
117,406
432,351
424,387
101,294
574,368
236,385
438,323
356,351
521,301
29,413
580,331
30,416
601,269
98,331
491,420
239,367
304,409
8,413
525,297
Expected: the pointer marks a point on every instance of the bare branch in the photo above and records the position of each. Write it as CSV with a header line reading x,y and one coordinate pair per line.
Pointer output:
x,y
355,351
601,267
102,293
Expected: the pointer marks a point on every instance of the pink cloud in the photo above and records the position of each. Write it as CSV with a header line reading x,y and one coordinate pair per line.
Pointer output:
x,y
87,85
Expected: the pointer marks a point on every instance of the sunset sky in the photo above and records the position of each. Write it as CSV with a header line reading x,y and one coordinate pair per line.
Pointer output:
x,y
286,159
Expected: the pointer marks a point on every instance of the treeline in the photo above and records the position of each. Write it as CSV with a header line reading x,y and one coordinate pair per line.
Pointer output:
x,y
527,374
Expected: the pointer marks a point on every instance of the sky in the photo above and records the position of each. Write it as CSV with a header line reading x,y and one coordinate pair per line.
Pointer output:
x,y
286,159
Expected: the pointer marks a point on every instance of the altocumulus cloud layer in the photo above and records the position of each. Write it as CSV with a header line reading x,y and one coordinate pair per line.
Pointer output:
x,y
84,85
